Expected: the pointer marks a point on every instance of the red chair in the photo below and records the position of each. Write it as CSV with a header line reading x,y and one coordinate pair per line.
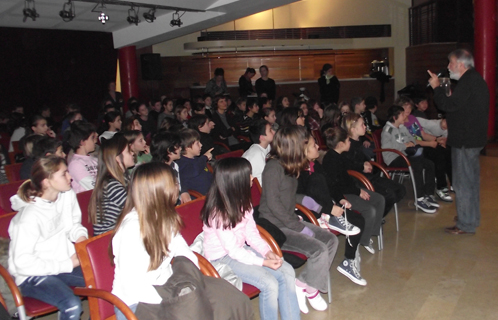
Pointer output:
x,y
319,139
29,307
221,144
190,213
84,201
6,191
4,224
13,171
233,154
393,170
256,193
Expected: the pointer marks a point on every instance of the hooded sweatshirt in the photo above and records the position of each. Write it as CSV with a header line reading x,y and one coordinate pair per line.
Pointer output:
x,y
42,235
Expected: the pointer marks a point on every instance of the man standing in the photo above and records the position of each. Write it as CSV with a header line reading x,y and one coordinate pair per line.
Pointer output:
x,y
467,110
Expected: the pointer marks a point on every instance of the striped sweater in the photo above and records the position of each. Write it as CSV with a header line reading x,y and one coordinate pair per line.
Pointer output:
x,y
112,204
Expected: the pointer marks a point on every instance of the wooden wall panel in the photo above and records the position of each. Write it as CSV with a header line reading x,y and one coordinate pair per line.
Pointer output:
x,y
184,72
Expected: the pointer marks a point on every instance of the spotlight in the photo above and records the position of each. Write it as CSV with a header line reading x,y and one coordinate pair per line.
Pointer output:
x,y
103,17
133,16
29,10
176,19
67,13
99,7
150,16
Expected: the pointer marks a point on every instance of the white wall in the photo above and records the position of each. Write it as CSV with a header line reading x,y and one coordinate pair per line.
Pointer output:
x,y
322,13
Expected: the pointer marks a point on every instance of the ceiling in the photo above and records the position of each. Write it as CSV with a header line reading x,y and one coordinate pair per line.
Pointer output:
x,y
144,34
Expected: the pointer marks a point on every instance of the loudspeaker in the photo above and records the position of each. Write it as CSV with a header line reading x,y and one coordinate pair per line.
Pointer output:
x,y
151,66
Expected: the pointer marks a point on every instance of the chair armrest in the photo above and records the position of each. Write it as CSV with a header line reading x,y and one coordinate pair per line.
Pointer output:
x,y
210,167
243,138
16,293
397,152
270,240
195,194
107,296
369,137
308,214
381,168
207,268
362,179
222,144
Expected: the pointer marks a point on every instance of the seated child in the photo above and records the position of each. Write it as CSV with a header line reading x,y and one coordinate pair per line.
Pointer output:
x,y
341,185
82,166
192,165
396,136
232,238
392,191
262,136
146,240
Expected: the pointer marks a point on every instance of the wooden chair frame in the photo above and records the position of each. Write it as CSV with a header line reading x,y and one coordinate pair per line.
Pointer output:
x,y
83,292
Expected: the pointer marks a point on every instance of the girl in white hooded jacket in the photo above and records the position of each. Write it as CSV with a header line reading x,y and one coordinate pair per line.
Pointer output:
x,y
42,258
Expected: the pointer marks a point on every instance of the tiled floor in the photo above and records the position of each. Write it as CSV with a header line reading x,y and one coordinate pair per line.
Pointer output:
x,y
423,273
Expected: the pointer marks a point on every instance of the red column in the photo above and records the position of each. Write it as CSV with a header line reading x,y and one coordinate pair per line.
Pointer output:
x,y
129,73
485,51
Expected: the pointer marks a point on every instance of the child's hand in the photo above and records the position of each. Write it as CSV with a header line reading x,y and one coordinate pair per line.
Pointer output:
x,y
185,197
272,261
409,144
442,141
433,144
147,149
208,154
50,133
336,211
345,203
366,144
364,195
367,167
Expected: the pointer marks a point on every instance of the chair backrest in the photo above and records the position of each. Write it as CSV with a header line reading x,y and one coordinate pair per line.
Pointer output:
x,y
97,271
12,157
6,191
233,154
255,192
319,139
190,213
84,201
13,171
4,224
16,147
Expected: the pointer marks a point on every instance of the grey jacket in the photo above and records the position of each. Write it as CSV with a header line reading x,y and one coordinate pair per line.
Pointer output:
x,y
279,197
394,138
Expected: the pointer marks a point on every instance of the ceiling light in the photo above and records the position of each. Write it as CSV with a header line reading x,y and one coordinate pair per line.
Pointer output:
x,y
176,21
133,16
103,17
150,16
67,13
29,10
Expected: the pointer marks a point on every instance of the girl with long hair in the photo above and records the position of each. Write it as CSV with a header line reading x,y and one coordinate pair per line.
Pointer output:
x,y
287,160
370,204
229,224
42,258
146,239
138,145
109,196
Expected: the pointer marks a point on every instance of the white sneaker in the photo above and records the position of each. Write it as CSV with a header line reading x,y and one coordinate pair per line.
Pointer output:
x,y
370,247
316,301
443,195
301,299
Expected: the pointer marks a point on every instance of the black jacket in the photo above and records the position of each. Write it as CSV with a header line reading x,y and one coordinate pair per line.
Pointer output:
x,y
329,92
466,110
220,130
267,86
336,173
